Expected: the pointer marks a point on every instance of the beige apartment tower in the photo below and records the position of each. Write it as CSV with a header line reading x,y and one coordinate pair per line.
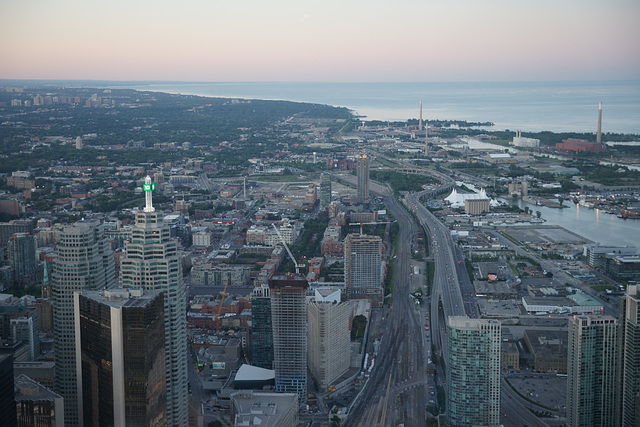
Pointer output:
x,y
329,336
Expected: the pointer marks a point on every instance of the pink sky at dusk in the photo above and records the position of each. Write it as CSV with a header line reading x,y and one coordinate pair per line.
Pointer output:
x,y
405,40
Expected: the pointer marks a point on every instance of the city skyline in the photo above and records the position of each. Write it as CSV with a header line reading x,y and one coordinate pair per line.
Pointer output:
x,y
286,41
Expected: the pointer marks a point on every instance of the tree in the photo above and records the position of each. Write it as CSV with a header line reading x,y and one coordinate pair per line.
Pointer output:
x,y
539,214
560,200
335,421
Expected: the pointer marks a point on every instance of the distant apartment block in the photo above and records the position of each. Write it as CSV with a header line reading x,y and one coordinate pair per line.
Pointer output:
x,y
331,244
263,235
220,275
363,267
363,177
476,206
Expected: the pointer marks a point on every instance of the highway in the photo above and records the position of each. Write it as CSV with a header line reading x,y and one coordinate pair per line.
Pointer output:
x,y
396,389
447,300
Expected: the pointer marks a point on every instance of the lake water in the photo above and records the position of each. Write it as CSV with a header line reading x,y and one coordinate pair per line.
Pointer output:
x,y
594,224
527,106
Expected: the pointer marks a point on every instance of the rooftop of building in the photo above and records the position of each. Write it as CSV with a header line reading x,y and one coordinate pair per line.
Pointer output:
x,y
120,297
549,301
254,373
582,299
548,343
466,323
28,389
262,408
289,280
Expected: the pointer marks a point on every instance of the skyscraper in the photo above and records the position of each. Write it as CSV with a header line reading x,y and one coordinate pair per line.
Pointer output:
x,y
120,357
289,320
473,371
36,405
26,328
84,262
325,190
630,360
7,393
261,328
363,176
152,262
426,139
362,265
22,258
329,336
592,394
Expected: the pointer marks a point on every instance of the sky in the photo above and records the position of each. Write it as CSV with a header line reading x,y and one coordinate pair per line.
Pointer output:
x,y
320,40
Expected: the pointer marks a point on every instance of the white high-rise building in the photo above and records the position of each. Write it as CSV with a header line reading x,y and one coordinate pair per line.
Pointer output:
x,y
329,336
84,262
152,262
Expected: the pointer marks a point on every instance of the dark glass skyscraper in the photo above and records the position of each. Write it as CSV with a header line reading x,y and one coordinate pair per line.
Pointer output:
x,y
7,394
120,357
261,328
289,319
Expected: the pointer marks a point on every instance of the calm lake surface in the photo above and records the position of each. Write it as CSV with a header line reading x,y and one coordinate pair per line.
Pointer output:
x,y
527,106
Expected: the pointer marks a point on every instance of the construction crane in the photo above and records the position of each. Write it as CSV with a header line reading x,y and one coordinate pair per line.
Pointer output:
x,y
224,293
287,248
367,223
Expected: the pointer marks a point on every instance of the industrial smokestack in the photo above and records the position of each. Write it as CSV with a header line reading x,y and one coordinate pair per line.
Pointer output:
x,y
599,134
420,125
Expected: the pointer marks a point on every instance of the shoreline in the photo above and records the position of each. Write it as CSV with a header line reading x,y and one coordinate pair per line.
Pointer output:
x,y
553,110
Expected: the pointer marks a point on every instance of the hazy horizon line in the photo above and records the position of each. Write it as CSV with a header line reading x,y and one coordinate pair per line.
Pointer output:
x,y
310,81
